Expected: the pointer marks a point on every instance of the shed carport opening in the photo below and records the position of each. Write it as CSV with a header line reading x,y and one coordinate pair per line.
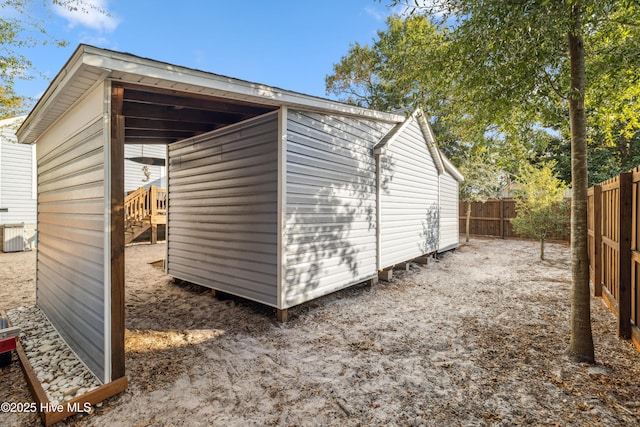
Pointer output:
x,y
149,115
300,170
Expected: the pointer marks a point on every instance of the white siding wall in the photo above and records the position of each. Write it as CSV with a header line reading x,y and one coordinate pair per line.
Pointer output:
x,y
449,233
408,198
330,204
71,231
134,177
222,217
16,183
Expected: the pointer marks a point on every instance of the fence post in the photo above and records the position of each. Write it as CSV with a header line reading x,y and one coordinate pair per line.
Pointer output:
x,y
501,218
597,240
624,267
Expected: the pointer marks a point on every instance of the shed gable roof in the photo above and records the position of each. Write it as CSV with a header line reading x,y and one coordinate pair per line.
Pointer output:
x,y
439,159
89,66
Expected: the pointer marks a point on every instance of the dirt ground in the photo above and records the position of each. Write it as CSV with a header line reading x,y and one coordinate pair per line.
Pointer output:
x,y
476,338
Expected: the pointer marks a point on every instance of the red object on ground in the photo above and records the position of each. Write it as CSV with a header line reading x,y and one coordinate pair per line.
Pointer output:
x,y
7,344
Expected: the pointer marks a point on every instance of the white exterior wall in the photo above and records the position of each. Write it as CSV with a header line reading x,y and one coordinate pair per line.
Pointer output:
x,y
72,286
222,214
330,225
17,180
449,218
408,198
134,176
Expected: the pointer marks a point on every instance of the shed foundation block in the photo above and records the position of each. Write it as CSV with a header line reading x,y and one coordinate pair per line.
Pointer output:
x,y
385,275
403,266
282,315
424,260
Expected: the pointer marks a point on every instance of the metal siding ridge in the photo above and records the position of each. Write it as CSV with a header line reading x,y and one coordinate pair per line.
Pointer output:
x,y
378,211
281,268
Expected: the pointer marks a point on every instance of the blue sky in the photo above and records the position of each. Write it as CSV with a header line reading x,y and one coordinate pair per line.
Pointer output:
x,y
284,43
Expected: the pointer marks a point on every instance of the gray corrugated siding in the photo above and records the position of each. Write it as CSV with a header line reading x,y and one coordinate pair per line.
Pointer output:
x,y
16,183
330,204
222,230
71,185
449,234
408,198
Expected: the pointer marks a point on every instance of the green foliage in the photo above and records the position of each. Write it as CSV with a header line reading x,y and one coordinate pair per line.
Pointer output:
x,y
489,73
20,29
482,177
541,212
388,75
613,94
528,60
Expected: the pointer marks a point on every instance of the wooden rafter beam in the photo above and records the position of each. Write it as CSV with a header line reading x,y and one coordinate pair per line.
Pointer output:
x,y
135,123
208,104
159,112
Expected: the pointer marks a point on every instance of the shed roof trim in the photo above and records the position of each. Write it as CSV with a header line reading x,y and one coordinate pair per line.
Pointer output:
x,y
449,167
88,65
427,133
431,140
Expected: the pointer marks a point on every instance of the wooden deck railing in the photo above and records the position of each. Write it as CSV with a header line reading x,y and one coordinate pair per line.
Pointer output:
x,y
145,208
614,248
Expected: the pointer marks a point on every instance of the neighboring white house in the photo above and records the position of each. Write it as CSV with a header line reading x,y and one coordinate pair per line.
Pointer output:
x,y
142,168
18,180
17,188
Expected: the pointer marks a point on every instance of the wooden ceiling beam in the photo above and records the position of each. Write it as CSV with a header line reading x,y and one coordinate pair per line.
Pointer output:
x,y
212,104
163,116
150,140
164,133
151,111
162,125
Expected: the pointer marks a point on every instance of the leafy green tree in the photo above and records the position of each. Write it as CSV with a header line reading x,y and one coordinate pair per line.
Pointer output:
x,y
19,29
530,57
389,75
482,180
382,76
541,212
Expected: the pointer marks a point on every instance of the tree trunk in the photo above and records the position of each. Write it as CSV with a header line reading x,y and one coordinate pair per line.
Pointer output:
x,y
468,220
581,342
542,249
624,151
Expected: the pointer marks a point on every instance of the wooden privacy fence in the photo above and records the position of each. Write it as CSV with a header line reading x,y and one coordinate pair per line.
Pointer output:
x,y
493,218
613,207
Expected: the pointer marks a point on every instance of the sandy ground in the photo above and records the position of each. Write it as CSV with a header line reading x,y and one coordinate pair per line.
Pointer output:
x,y
477,338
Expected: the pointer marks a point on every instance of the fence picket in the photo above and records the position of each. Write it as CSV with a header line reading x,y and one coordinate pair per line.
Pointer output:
x,y
613,208
493,218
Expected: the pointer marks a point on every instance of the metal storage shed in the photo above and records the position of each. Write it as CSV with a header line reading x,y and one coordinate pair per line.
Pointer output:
x,y
273,195
449,188
415,196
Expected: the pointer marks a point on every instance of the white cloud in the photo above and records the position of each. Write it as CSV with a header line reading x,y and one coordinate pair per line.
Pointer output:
x,y
93,14
96,40
383,12
377,13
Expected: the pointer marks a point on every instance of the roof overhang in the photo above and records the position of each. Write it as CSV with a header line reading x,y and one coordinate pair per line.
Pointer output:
x,y
418,116
89,66
449,167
